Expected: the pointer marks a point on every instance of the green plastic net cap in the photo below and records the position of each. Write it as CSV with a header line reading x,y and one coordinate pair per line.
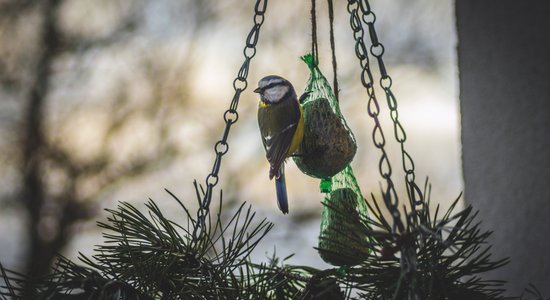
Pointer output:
x,y
325,186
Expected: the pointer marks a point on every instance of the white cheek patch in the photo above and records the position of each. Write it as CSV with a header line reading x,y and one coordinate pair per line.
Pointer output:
x,y
276,93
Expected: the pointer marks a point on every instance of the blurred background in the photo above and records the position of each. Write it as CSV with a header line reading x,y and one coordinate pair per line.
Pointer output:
x,y
114,100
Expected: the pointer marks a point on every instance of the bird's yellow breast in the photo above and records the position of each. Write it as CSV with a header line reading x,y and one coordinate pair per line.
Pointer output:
x,y
298,135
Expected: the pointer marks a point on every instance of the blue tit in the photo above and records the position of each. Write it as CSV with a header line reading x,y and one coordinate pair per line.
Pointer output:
x,y
281,122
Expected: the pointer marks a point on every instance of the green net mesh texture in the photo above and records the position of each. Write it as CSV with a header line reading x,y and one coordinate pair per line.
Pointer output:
x,y
342,241
326,152
328,145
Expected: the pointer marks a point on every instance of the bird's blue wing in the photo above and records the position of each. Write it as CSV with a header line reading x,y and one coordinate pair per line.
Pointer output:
x,y
277,128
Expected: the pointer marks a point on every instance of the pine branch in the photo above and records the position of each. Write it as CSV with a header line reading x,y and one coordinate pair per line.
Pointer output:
x,y
532,293
149,255
437,257
11,283
145,255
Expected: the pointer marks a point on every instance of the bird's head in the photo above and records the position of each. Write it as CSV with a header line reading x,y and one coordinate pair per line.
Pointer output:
x,y
275,89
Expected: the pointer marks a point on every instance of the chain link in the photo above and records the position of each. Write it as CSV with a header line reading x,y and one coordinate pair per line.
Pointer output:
x,y
230,116
373,108
377,50
360,12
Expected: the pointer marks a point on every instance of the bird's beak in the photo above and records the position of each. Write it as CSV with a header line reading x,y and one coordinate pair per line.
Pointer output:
x,y
258,90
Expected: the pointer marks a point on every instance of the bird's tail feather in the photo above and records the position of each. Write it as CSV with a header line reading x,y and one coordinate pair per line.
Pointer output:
x,y
280,186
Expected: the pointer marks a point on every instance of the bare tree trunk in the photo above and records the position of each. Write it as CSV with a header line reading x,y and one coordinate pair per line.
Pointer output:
x,y
40,250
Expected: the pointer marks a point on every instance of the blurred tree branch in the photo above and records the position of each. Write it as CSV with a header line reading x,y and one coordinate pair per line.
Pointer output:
x,y
15,7
33,193
53,213
123,30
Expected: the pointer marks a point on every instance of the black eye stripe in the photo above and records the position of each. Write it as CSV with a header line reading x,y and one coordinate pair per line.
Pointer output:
x,y
273,84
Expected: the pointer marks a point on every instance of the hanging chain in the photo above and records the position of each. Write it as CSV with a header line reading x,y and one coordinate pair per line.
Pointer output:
x,y
373,109
377,50
230,116
360,12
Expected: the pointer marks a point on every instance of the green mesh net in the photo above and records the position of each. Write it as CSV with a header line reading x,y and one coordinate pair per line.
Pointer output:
x,y
326,152
328,145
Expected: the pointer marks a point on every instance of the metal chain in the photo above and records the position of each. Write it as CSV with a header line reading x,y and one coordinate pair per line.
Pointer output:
x,y
360,12
230,116
373,109
377,50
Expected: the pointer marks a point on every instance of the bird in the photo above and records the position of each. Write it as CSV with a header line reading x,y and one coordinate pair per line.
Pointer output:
x,y
281,122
